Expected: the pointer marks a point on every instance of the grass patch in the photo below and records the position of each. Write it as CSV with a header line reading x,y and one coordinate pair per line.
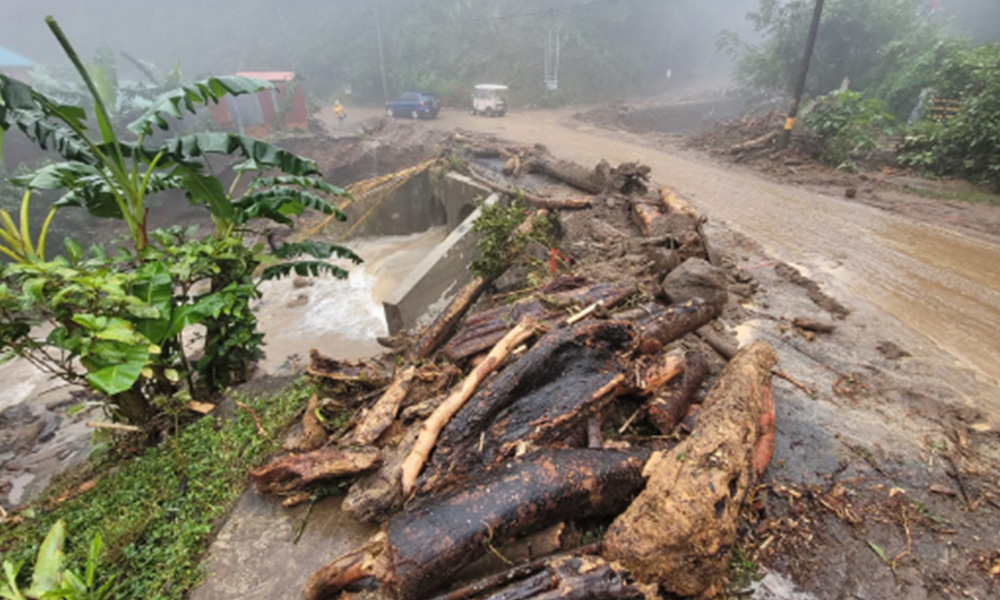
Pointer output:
x,y
156,511
742,570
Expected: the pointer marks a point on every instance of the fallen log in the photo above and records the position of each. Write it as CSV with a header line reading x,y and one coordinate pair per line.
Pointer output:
x,y
488,584
756,143
297,470
376,496
539,202
666,411
426,545
441,328
678,531
483,329
675,204
436,422
645,216
560,379
566,172
378,418
675,322
582,577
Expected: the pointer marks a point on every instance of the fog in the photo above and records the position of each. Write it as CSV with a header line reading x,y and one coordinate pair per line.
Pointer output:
x,y
330,42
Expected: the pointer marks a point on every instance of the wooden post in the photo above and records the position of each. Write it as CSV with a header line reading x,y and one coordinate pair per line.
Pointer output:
x,y
800,86
381,54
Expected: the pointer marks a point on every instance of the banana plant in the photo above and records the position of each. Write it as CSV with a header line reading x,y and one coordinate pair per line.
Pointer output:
x,y
15,240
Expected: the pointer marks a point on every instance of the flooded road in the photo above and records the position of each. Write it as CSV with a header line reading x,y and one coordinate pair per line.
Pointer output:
x,y
942,284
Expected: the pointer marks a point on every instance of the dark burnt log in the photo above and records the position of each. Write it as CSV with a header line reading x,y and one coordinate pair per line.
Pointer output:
x,y
575,578
429,543
666,411
538,420
569,173
344,571
563,370
438,331
484,329
674,323
678,531
297,470
431,428
378,418
487,584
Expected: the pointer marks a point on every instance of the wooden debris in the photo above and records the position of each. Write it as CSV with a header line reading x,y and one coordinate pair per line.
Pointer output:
x,y
677,532
645,216
566,172
546,396
343,370
483,329
675,322
668,409
436,422
675,204
313,433
376,419
532,199
378,495
297,470
428,544
442,326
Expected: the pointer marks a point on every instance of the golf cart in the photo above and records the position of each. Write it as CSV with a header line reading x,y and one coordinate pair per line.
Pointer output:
x,y
490,99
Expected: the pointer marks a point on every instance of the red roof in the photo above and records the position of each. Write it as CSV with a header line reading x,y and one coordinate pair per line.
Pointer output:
x,y
269,75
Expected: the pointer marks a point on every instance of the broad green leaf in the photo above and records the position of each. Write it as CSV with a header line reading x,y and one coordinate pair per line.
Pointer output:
x,y
205,190
118,331
116,379
49,562
304,182
303,269
91,322
258,154
277,203
191,314
201,92
316,249
45,122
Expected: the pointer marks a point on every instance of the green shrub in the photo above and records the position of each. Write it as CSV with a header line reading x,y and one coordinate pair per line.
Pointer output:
x,y
846,126
967,145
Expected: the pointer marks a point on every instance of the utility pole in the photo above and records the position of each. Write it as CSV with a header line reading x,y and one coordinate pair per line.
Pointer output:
x,y
381,55
800,86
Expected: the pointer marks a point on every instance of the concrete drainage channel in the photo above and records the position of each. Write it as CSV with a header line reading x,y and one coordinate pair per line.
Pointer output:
x,y
424,201
265,551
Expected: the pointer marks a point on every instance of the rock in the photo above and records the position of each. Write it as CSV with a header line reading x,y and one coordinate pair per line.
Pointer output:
x,y
301,282
696,278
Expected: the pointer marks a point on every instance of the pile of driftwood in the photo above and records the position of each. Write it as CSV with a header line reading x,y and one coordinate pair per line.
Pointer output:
x,y
502,436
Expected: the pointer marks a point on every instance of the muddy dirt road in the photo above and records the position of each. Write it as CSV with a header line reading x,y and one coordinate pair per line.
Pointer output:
x,y
942,284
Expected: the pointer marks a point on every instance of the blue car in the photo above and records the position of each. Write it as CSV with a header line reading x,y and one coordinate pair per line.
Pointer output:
x,y
415,105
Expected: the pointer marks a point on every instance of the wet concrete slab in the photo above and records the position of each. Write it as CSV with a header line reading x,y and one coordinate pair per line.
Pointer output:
x,y
256,556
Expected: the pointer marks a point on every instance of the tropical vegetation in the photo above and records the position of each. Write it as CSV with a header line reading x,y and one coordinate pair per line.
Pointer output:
x,y
116,321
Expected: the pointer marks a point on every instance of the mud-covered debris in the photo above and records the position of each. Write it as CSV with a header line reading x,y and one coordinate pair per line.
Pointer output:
x,y
696,278
679,530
